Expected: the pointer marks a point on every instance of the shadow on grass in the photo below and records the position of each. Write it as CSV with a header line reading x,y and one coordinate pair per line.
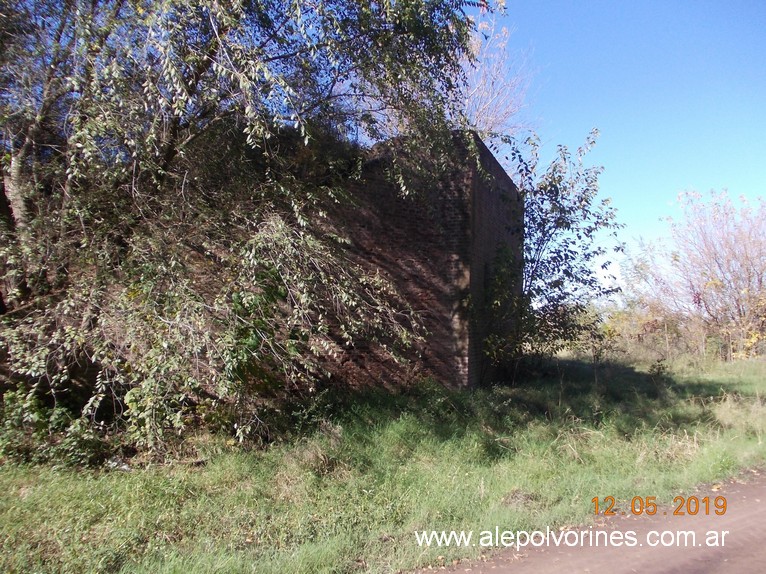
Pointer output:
x,y
560,394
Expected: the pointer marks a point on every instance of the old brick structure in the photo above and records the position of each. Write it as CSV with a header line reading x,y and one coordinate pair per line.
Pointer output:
x,y
439,245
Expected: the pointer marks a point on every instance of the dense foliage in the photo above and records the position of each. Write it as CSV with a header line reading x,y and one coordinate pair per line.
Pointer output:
x,y
165,167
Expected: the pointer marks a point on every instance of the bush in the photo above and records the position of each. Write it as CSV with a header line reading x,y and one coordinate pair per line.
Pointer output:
x,y
33,433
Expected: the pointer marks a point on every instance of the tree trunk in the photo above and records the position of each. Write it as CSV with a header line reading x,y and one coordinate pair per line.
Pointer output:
x,y
6,220
15,197
14,222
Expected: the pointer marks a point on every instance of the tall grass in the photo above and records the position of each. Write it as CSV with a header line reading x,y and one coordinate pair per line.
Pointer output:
x,y
348,495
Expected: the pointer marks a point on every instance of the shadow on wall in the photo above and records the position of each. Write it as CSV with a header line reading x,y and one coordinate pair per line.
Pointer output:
x,y
437,245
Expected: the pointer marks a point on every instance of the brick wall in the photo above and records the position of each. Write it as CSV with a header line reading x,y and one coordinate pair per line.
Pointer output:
x,y
438,246
497,220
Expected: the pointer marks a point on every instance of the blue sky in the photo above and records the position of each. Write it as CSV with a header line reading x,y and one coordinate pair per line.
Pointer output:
x,y
677,90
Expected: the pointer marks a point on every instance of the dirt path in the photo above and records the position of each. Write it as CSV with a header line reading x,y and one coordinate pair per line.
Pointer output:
x,y
742,550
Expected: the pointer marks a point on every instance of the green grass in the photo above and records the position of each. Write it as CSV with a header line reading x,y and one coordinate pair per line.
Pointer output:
x,y
348,496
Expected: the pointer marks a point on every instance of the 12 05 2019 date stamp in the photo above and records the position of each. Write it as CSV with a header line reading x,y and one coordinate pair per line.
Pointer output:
x,y
647,505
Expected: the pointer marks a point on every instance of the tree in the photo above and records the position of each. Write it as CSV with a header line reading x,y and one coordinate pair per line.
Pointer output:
x,y
117,87
713,275
165,167
566,227
497,79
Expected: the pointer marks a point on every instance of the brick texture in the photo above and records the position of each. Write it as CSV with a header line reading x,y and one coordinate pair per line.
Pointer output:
x,y
438,245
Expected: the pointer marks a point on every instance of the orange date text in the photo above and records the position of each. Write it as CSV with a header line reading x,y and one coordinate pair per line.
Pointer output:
x,y
682,505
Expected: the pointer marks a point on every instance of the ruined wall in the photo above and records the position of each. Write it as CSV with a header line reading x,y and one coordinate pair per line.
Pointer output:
x,y
497,221
438,246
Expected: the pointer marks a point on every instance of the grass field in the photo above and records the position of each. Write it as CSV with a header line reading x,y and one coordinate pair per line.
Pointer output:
x,y
349,495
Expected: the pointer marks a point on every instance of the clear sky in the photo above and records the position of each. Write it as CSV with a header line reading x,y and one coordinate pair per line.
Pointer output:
x,y
676,88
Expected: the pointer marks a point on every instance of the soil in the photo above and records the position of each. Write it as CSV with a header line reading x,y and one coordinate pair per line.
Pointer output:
x,y
743,550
